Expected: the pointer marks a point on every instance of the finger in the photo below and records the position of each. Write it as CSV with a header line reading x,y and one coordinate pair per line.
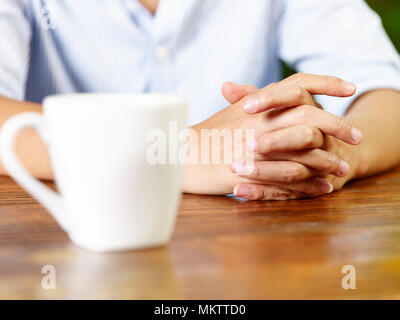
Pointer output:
x,y
264,192
288,139
322,85
326,122
234,92
316,159
277,96
312,84
271,171
315,186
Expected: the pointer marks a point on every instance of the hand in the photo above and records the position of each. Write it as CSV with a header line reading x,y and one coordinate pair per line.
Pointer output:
x,y
277,175
299,135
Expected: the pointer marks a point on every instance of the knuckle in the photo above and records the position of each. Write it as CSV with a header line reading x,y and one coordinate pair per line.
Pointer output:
x,y
265,195
261,193
330,162
270,144
266,99
309,136
294,173
298,92
275,194
342,125
298,77
256,172
303,113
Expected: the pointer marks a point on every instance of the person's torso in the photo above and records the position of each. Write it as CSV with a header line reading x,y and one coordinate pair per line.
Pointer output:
x,y
189,48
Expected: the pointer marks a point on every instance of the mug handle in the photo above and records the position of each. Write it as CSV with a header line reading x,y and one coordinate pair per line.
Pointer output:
x,y
47,197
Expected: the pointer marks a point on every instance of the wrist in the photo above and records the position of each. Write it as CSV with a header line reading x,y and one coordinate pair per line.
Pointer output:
x,y
206,171
197,175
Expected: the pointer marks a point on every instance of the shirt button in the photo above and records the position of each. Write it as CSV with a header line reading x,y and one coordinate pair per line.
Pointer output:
x,y
162,52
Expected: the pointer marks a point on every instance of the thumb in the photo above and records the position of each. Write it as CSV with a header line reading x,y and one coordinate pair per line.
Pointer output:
x,y
234,92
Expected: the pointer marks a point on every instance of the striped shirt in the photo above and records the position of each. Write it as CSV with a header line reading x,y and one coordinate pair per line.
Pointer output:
x,y
189,48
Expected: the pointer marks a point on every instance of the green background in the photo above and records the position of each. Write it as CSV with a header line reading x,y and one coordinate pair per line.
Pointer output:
x,y
389,10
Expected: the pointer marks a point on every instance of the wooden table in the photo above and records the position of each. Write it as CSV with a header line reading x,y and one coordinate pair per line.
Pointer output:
x,y
222,249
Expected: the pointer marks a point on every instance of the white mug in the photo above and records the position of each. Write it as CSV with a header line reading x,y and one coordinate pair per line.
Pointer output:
x,y
110,197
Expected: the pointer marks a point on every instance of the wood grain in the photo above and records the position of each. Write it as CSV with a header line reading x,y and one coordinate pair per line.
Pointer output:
x,y
222,249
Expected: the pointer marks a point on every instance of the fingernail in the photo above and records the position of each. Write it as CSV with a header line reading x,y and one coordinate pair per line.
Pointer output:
x,y
349,87
241,192
356,135
251,105
239,166
344,168
252,145
325,186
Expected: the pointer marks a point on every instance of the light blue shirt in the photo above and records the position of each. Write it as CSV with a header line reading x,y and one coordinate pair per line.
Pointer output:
x,y
189,48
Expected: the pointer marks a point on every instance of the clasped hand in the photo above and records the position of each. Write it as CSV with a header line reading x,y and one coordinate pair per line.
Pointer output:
x,y
300,149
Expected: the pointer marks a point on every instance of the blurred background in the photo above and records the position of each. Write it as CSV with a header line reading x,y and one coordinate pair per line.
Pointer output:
x,y
389,10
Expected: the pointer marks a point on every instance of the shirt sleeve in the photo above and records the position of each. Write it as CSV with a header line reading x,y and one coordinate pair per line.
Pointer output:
x,y
344,38
14,48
